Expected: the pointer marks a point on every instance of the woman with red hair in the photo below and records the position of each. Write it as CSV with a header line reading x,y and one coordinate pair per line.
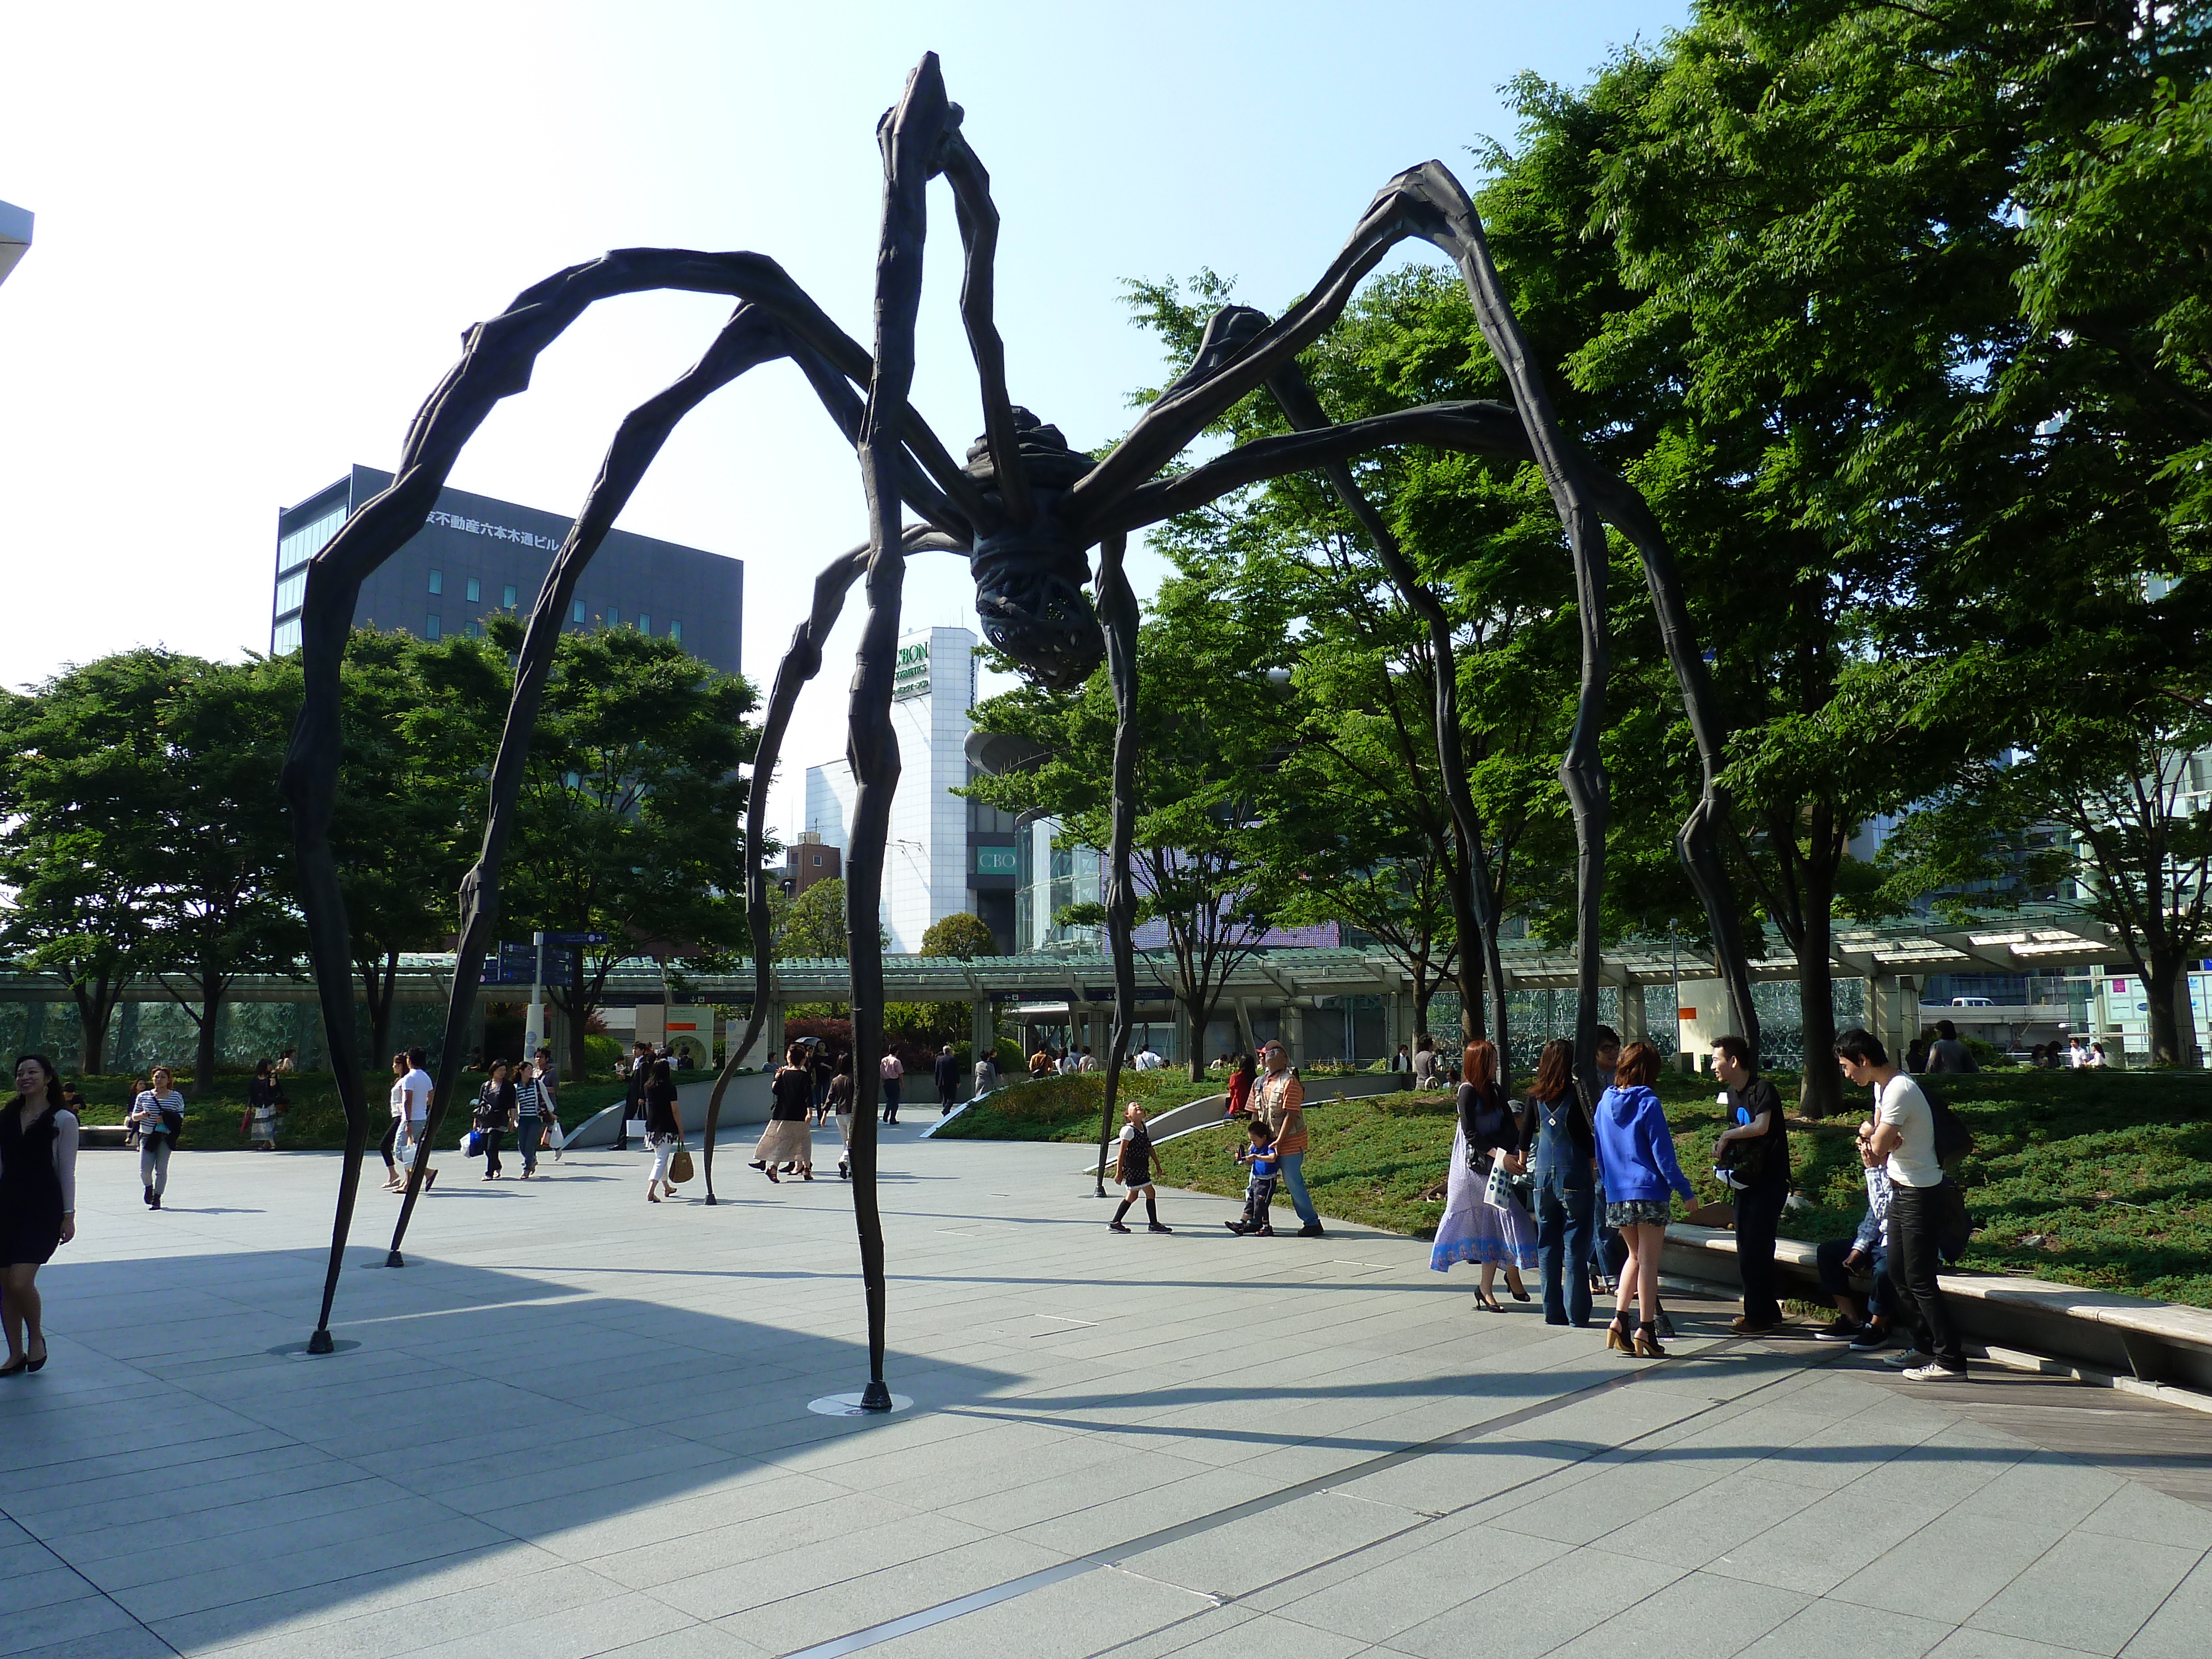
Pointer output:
x,y
1489,1136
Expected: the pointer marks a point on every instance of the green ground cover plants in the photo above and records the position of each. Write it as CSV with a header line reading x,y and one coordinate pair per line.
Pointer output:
x,y
1067,1108
2097,1179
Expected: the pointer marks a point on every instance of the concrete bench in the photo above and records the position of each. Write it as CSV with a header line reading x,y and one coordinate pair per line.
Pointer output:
x,y
100,1134
2151,1342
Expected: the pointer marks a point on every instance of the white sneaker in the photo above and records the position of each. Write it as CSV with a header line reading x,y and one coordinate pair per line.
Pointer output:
x,y
1936,1371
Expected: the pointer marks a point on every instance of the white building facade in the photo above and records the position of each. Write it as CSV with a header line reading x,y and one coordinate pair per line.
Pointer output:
x,y
942,855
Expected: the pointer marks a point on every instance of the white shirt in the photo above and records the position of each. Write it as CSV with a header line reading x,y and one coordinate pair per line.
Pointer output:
x,y
1147,1061
417,1081
1912,1161
398,1097
2076,1057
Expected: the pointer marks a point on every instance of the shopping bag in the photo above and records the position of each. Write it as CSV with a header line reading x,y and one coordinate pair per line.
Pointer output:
x,y
472,1143
679,1167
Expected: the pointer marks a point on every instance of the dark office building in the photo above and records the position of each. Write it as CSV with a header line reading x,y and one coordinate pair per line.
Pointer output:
x,y
478,555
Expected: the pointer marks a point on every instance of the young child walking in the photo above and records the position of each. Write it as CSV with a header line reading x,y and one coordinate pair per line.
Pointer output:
x,y
1134,1171
1260,1187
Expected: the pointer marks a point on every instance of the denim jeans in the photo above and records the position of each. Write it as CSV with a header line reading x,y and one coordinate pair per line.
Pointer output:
x,y
1837,1282
1294,1178
1565,1224
526,1138
1758,1214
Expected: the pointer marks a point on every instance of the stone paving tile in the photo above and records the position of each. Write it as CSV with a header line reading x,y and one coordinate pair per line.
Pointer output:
x,y
2089,1591
1536,1612
1375,1600
1696,1616
1695,1507
1842,1630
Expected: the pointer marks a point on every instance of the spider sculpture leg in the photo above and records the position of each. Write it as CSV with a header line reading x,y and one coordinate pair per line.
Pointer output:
x,y
909,136
750,338
1428,202
800,665
496,364
1117,615
1471,889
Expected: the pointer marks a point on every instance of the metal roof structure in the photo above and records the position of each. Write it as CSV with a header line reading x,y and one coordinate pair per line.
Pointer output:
x,y
2035,939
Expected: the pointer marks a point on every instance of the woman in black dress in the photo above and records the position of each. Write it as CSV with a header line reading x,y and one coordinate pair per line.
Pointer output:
x,y
494,1106
38,1203
663,1129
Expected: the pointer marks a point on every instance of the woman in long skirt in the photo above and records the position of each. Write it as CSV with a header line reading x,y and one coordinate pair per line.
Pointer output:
x,y
1473,1231
786,1139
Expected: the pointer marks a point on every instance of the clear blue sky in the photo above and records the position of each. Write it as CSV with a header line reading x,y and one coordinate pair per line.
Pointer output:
x,y
261,231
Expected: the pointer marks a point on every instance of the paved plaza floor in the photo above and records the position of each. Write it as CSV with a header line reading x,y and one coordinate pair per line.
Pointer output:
x,y
576,1424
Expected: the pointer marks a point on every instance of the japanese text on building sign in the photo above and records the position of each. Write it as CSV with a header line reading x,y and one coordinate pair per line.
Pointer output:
x,y
498,532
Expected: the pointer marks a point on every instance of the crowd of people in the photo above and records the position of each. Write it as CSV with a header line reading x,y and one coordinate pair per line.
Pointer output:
x,y
1572,1183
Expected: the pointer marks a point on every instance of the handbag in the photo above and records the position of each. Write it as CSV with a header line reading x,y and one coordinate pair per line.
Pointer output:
x,y
679,1167
1504,1189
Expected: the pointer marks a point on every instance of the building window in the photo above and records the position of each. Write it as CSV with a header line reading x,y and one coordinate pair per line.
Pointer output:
x,y
286,639
676,632
577,612
614,615
430,630
644,622
474,630
289,591
475,590
437,581
303,544
509,600
817,859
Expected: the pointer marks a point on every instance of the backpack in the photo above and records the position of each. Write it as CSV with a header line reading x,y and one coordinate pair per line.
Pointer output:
x,y
1953,1139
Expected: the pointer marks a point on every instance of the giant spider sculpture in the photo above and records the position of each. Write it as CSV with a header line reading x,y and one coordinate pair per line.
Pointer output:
x,y
1025,509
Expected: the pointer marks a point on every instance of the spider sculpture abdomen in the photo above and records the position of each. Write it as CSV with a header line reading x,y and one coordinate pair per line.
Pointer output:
x,y
1030,579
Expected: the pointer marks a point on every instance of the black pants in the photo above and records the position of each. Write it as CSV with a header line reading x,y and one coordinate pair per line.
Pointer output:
x,y
1758,1213
385,1146
491,1150
1916,1214
891,1099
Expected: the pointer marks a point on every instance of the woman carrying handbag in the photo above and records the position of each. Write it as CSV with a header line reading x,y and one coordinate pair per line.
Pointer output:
x,y
664,1130
1485,1219
494,1106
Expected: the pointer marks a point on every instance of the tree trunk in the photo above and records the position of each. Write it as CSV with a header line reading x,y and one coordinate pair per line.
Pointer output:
x,y
1424,990
2162,978
204,1058
1820,1092
381,989
95,1007
1201,1016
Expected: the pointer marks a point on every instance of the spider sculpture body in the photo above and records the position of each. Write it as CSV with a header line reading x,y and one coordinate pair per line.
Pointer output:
x,y
1025,510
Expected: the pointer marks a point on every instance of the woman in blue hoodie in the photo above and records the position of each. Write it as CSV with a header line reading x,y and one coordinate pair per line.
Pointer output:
x,y
1635,1155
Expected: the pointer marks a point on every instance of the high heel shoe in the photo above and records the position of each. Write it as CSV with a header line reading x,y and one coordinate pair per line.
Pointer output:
x,y
1647,1344
15,1367
1520,1291
1616,1338
38,1364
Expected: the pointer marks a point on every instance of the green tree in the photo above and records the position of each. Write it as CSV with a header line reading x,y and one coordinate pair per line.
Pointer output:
x,y
69,790
814,927
963,934
1207,794
631,821
141,788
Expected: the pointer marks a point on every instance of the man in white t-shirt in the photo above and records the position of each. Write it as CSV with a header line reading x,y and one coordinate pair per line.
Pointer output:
x,y
415,1106
1903,1135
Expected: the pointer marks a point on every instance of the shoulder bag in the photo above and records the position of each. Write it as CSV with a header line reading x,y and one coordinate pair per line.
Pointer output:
x,y
679,1166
